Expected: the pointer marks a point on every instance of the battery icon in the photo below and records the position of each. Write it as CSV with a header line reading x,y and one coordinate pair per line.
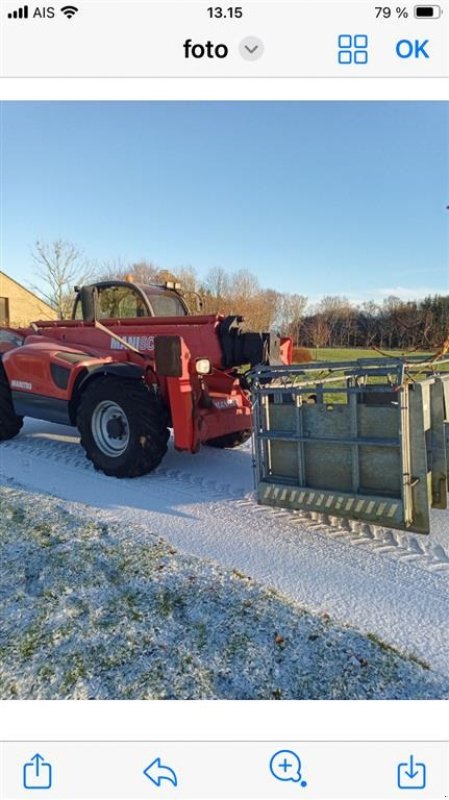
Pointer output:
x,y
428,12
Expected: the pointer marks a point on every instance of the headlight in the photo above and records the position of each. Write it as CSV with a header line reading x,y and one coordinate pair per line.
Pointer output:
x,y
203,366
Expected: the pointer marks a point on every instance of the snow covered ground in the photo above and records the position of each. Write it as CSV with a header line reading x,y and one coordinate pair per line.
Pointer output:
x,y
392,585
97,610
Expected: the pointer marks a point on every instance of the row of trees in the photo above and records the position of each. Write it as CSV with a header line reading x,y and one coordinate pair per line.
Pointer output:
x,y
335,321
393,324
60,266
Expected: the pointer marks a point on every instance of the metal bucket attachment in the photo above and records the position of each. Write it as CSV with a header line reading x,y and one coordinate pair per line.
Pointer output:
x,y
439,455
444,380
365,440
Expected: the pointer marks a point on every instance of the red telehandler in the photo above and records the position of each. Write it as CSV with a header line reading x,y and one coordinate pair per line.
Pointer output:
x,y
131,363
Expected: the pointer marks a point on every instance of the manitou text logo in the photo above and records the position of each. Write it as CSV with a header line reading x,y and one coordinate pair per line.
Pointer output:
x,y
21,385
222,404
140,342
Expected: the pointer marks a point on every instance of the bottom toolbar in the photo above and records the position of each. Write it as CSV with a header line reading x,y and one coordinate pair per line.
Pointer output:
x,y
224,770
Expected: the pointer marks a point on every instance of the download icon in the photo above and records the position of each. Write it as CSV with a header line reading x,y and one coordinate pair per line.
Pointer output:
x,y
411,774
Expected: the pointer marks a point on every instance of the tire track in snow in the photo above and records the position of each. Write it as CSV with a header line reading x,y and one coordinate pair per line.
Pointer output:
x,y
411,547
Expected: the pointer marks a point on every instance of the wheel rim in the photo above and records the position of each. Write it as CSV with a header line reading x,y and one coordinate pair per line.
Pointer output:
x,y
110,428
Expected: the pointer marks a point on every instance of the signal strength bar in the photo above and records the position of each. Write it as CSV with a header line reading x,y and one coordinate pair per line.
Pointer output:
x,y
20,13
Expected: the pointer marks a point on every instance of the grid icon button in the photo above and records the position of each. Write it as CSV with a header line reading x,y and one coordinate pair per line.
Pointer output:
x,y
353,49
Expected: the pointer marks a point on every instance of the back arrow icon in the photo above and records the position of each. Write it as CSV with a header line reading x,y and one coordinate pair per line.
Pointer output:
x,y
158,772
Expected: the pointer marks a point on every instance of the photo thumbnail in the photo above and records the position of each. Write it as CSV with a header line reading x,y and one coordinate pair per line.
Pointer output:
x,y
224,400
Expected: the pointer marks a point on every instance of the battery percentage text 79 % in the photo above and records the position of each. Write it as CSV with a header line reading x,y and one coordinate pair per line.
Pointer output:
x,y
385,12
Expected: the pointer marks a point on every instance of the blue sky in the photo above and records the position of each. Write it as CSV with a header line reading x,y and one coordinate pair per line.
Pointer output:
x,y
316,198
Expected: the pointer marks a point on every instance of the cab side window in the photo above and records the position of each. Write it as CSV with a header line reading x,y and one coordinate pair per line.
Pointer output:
x,y
120,302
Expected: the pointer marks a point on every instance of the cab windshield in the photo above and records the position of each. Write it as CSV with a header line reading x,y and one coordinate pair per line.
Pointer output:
x,y
165,304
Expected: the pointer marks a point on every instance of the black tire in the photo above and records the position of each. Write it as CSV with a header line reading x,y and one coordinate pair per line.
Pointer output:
x,y
229,439
10,423
123,427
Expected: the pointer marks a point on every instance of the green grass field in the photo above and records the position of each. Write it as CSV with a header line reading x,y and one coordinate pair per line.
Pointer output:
x,y
342,354
353,353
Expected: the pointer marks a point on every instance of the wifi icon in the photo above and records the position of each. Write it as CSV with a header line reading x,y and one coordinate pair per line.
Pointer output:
x,y
69,11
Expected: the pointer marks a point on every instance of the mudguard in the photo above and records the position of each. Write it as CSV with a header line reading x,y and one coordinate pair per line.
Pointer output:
x,y
124,370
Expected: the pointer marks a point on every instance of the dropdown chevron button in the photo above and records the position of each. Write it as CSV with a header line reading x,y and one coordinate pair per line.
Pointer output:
x,y
251,48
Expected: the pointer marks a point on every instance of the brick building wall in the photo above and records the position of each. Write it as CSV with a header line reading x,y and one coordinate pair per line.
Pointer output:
x,y
19,306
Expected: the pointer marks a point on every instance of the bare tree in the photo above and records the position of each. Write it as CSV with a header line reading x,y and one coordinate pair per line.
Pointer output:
x,y
215,290
118,270
369,323
266,309
188,278
143,271
217,282
245,286
319,332
292,308
60,265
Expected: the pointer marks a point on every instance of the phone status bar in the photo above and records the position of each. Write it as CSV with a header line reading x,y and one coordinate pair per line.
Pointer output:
x,y
191,39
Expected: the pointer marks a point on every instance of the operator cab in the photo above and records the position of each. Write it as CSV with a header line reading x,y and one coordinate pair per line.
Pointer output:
x,y
123,299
